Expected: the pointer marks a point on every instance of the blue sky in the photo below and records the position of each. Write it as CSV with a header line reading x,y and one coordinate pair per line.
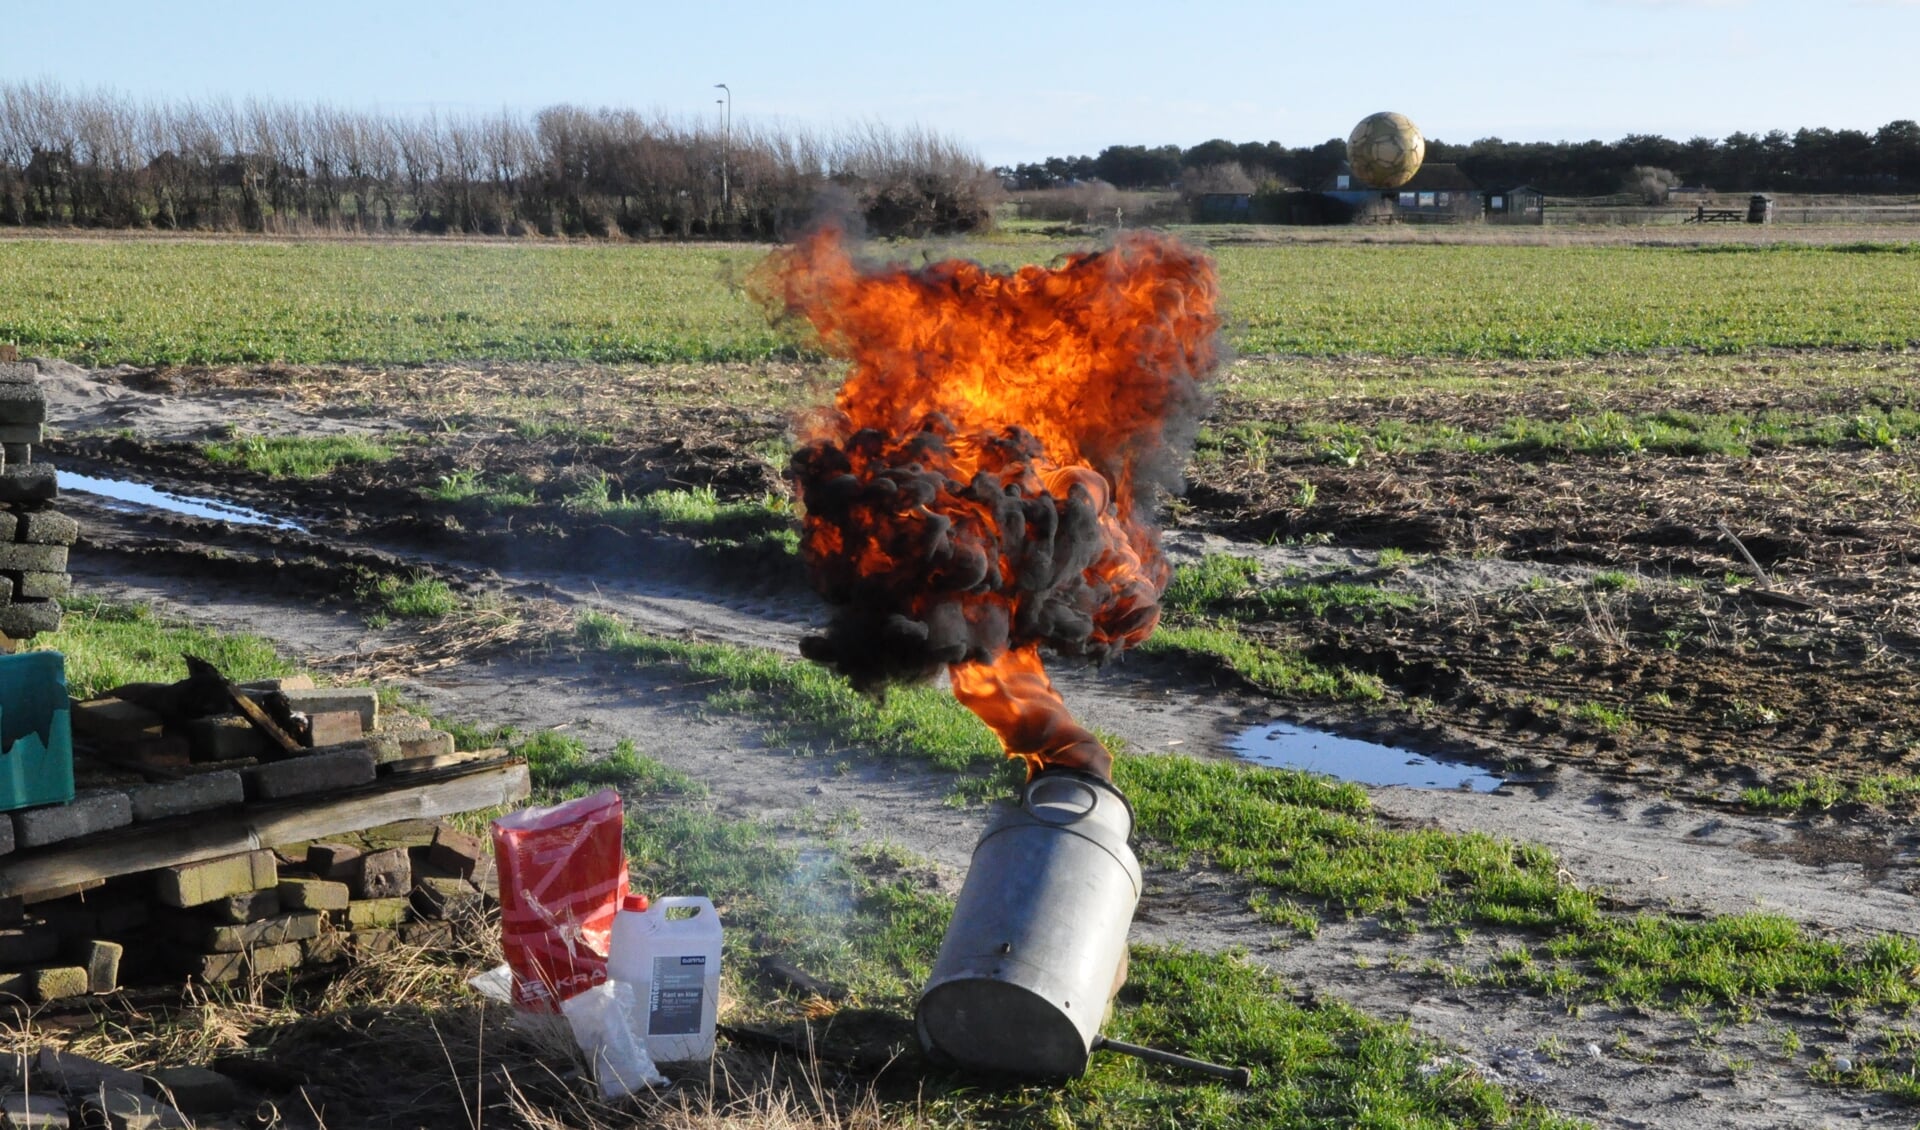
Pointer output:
x,y
1024,81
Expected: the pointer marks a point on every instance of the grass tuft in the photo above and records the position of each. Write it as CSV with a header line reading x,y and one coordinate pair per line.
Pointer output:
x,y
109,644
295,457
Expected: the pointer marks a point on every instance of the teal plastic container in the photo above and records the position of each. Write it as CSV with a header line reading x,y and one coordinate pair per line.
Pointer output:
x,y
36,730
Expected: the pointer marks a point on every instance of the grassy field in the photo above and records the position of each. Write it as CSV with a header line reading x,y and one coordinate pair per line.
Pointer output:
x,y
181,302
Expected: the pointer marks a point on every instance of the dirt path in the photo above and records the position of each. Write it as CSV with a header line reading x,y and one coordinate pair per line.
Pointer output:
x,y
1617,1068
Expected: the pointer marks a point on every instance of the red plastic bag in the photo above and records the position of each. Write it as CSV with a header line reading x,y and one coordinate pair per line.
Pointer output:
x,y
563,871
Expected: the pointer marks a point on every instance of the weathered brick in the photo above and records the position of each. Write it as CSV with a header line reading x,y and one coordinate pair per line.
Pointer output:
x,y
75,1073
226,737
435,897
364,701
22,433
334,727
313,894
56,982
21,403
93,810
427,935
130,1110
196,793
216,967
312,773
29,482
426,743
194,1090
329,947
339,862
16,453
41,586
101,959
115,720
47,527
247,906
196,884
384,874
459,853
22,558
267,932
375,914
24,619
15,371
366,943
28,1111
28,945
404,722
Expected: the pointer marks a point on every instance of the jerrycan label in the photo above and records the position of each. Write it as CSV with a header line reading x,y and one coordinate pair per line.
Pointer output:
x,y
674,999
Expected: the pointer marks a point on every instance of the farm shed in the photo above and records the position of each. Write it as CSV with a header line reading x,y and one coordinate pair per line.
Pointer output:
x,y
1521,205
1222,207
1438,193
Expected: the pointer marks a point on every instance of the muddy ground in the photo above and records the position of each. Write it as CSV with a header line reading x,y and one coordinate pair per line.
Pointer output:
x,y
1723,680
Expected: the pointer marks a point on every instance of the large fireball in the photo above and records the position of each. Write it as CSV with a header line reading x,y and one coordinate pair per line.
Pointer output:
x,y
982,485
1385,150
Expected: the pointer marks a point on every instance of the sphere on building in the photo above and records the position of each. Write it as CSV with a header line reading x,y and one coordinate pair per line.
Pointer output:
x,y
1385,150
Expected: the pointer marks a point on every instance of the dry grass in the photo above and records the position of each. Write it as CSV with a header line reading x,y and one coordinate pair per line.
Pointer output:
x,y
399,1039
465,635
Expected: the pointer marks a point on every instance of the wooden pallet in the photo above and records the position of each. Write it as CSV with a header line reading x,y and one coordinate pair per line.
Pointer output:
x,y
210,835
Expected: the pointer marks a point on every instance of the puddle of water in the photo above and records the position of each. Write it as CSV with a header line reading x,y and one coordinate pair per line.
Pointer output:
x,y
139,496
1286,746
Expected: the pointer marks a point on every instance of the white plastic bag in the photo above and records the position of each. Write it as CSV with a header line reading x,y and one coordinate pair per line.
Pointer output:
x,y
603,1025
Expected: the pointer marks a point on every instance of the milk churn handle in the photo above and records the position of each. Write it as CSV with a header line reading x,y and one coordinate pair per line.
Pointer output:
x,y
1238,1076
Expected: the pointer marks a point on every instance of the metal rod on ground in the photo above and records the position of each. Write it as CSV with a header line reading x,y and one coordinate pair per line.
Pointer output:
x,y
1238,1076
1742,547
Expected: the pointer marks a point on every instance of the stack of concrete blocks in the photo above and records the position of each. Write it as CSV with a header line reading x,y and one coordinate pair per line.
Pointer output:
x,y
217,762
50,1088
33,537
420,884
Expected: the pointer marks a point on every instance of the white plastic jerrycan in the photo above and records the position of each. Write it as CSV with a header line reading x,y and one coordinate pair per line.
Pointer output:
x,y
672,959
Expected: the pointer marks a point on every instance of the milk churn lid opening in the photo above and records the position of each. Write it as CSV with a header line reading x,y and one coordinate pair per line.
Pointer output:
x,y
635,902
1060,799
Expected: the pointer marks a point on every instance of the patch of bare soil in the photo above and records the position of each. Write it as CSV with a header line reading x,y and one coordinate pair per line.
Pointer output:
x,y
1495,637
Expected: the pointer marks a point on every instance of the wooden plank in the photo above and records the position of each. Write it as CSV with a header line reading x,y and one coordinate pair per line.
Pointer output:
x,y
263,723
166,843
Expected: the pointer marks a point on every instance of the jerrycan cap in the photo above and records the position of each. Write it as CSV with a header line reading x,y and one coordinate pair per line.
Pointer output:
x,y
635,902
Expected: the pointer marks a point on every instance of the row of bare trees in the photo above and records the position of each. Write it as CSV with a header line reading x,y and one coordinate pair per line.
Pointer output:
x,y
97,159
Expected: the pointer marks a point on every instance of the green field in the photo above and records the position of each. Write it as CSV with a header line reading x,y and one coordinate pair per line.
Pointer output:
x,y
209,302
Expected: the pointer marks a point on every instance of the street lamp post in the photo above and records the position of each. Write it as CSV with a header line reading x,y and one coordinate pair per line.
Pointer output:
x,y
726,151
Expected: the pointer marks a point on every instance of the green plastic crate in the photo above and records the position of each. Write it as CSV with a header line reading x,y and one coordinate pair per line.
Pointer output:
x,y
36,730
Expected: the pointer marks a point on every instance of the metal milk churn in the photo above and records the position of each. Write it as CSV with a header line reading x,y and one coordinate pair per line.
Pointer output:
x,y
1038,943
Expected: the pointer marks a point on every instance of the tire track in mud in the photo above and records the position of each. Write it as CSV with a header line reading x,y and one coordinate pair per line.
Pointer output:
x,y
1652,1070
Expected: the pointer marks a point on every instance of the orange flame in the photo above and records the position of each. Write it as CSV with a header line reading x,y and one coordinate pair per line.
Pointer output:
x,y
978,488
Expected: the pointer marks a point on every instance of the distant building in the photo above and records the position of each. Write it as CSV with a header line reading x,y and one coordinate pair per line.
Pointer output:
x,y
1438,193
1222,207
1522,205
